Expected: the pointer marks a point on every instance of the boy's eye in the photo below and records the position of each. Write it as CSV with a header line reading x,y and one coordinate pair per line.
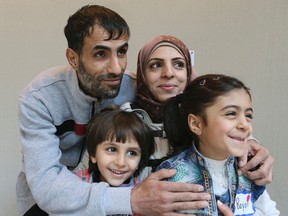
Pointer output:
x,y
132,153
111,149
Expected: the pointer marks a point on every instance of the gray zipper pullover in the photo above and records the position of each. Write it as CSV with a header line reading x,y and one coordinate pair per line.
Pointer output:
x,y
52,99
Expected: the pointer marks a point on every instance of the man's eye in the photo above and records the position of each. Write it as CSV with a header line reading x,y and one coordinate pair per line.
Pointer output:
x,y
122,52
99,54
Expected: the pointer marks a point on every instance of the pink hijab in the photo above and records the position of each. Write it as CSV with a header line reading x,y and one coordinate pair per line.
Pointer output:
x,y
145,98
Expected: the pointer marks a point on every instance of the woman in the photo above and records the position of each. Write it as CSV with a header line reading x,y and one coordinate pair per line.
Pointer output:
x,y
163,70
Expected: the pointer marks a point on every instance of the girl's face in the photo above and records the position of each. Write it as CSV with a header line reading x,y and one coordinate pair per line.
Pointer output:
x,y
166,73
228,126
117,161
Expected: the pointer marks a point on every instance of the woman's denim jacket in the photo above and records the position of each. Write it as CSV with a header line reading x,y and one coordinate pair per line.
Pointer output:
x,y
191,168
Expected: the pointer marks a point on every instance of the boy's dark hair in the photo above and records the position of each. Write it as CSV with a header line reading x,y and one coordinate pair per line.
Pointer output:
x,y
80,24
119,125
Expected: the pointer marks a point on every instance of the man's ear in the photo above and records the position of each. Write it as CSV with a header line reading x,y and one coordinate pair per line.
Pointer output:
x,y
195,124
73,58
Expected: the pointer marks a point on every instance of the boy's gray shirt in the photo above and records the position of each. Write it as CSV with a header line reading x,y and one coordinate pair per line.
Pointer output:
x,y
52,98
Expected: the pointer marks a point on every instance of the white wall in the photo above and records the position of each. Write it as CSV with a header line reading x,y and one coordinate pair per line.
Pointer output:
x,y
244,38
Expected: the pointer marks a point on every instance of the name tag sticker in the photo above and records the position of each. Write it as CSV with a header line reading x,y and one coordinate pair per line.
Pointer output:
x,y
244,204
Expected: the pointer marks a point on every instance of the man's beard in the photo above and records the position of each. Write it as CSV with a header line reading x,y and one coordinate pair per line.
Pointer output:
x,y
91,85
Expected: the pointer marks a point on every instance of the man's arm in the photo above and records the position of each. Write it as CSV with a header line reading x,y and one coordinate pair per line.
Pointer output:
x,y
156,197
262,157
55,189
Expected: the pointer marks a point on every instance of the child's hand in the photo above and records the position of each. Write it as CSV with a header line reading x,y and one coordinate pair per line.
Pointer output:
x,y
225,210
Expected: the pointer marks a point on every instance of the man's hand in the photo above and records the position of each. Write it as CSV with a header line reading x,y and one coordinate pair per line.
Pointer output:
x,y
226,211
156,197
262,157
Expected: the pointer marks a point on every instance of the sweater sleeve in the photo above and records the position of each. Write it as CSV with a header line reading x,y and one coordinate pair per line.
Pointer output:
x,y
265,206
127,91
54,188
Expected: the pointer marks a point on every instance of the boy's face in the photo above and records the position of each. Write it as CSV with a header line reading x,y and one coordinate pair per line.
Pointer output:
x,y
101,63
228,126
117,161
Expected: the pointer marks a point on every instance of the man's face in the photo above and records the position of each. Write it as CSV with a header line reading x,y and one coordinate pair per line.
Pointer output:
x,y
102,64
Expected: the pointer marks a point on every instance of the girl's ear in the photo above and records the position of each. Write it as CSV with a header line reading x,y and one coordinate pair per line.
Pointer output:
x,y
195,124
72,58
93,159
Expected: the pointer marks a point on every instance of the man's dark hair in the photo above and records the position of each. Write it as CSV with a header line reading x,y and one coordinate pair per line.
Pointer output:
x,y
81,24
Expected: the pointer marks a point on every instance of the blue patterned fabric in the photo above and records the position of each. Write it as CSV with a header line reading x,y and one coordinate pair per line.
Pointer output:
x,y
192,168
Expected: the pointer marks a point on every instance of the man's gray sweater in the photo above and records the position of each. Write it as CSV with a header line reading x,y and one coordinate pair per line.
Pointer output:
x,y
48,107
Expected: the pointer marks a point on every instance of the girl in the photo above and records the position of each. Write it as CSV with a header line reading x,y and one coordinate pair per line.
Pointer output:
x,y
208,127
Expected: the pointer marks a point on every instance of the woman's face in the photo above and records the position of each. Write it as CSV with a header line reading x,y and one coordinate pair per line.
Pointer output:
x,y
166,73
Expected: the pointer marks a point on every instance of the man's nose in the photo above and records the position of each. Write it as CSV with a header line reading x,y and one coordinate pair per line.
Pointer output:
x,y
115,65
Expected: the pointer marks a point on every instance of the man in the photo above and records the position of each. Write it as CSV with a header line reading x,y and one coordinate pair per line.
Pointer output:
x,y
53,112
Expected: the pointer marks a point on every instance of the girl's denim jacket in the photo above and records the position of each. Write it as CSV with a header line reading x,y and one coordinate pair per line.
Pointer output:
x,y
191,168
